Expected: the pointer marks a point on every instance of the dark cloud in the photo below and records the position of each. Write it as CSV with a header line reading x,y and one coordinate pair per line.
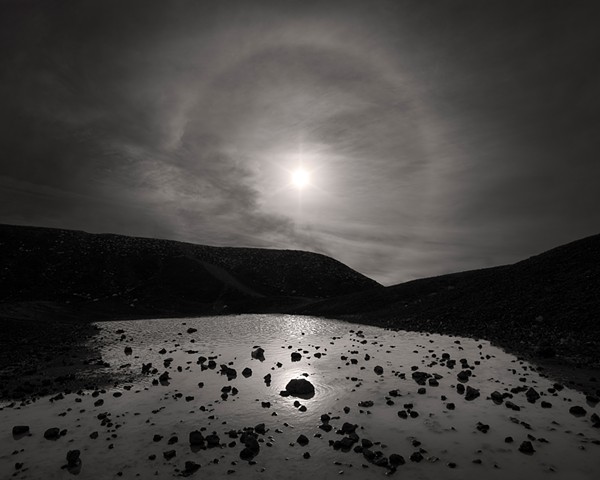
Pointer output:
x,y
442,135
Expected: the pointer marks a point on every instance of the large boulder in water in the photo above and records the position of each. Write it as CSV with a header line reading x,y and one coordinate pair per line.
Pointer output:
x,y
300,387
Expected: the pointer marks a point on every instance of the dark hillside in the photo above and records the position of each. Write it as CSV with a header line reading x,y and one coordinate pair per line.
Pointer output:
x,y
107,276
546,305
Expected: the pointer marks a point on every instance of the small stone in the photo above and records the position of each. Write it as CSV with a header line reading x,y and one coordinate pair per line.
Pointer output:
x,y
416,457
191,467
526,448
258,354
482,427
73,458
472,393
378,370
20,429
396,460
52,433
577,411
296,357
302,440
169,454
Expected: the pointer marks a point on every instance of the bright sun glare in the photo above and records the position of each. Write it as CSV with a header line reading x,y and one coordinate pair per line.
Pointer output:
x,y
300,178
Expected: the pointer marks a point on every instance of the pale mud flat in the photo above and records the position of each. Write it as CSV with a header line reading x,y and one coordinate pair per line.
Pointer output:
x,y
135,429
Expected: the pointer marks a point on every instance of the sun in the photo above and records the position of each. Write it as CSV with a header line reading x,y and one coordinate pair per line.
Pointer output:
x,y
300,178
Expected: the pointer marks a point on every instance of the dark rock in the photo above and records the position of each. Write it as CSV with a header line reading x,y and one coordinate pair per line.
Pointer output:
x,y
527,448
258,354
497,397
296,357
482,427
300,387
460,388
464,375
230,372
577,411
169,454
508,440
347,443
532,395
512,406
591,400
366,404
157,438
416,457
378,370
348,428
52,433
73,458
472,393
190,467
366,443
20,430
306,455
302,440
213,441
420,377
260,428
545,404
247,372
192,330
396,460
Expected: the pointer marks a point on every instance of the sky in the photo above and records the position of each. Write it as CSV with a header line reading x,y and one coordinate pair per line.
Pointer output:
x,y
439,136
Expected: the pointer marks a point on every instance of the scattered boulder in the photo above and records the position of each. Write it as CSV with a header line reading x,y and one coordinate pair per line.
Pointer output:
x,y
482,427
169,454
299,387
472,393
378,370
20,430
247,372
296,357
52,433
532,395
190,468
577,411
302,440
420,377
73,459
231,373
258,354
497,397
213,441
527,448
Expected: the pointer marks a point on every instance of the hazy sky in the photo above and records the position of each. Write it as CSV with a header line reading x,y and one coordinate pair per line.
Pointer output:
x,y
440,135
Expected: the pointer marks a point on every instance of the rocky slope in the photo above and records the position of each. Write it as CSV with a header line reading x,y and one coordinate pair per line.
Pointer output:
x,y
547,305
64,272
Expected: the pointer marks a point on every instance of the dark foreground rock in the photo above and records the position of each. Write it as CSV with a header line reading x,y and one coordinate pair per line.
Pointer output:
x,y
299,387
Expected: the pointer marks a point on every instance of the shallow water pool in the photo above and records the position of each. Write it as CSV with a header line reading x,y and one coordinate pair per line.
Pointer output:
x,y
124,431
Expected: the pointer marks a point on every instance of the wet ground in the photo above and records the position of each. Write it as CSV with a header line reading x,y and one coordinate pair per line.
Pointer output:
x,y
385,403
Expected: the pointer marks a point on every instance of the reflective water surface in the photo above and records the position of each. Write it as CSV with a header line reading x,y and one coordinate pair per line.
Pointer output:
x,y
137,421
